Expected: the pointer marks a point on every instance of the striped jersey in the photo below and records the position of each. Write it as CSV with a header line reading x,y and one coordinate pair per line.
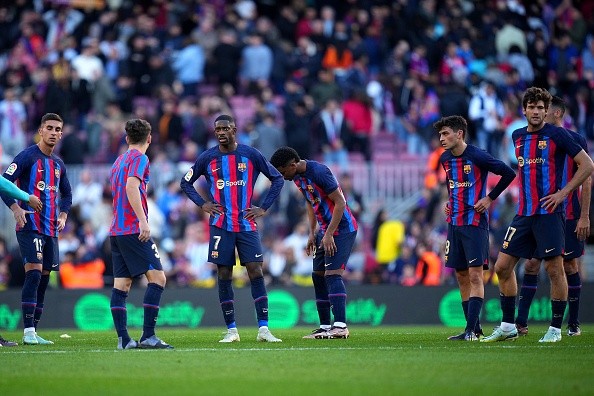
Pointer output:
x,y
573,207
230,179
132,163
45,177
466,177
541,162
316,183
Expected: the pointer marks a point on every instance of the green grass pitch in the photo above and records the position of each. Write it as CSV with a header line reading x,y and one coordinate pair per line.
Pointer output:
x,y
373,361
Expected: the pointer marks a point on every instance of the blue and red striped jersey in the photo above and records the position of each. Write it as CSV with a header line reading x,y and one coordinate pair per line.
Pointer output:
x,y
130,164
316,183
45,177
573,207
541,161
230,179
466,177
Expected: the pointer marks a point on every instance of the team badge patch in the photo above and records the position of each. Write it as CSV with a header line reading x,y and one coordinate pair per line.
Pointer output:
x,y
542,144
57,173
310,188
214,254
242,166
467,169
39,256
189,175
11,169
505,244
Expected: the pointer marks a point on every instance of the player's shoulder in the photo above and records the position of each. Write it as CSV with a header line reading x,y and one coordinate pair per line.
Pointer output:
x,y
248,151
445,156
520,131
315,167
579,138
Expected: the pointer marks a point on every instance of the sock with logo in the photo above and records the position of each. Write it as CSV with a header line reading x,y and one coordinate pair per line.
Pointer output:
x,y
260,300
558,308
119,314
508,308
475,305
527,292
226,300
337,296
574,284
322,301
29,297
40,298
152,298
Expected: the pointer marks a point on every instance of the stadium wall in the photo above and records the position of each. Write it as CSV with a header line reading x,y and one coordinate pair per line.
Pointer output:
x,y
192,308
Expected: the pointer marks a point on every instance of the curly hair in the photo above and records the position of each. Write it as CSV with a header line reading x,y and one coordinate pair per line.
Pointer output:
x,y
284,156
535,94
137,130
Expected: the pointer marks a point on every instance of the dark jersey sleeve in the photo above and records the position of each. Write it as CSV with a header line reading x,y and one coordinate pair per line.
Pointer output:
x,y
497,167
187,182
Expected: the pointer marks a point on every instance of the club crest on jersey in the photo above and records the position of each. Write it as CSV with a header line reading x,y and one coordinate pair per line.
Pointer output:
x,y
542,144
505,244
214,254
310,188
57,173
467,169
242,166
39,256
11,169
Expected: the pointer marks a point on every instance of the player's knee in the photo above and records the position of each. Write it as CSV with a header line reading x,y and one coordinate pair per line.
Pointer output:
x,y
570,267
254,270
532,267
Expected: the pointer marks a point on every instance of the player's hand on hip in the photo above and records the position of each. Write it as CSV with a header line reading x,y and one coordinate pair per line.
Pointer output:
x,y
329,245
446,209
213,208
253,213
550,202
20,216
35,203
483,205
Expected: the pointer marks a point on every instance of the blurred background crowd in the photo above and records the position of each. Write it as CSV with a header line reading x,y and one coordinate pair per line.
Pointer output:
x,y
356,84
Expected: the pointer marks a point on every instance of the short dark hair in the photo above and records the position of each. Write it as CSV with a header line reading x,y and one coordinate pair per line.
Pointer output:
x,y
558,103
51,117
225,117
284,156
534,94
455,122
137,130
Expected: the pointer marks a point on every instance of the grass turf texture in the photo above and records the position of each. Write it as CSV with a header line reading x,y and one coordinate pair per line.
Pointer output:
x,y
378,361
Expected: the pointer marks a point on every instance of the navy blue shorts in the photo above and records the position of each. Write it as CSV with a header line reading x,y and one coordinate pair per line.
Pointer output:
x,y
37,248
221,247
467,246
131,257
344,246
537,236
574,248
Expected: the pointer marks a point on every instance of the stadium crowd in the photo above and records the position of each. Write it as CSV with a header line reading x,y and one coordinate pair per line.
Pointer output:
x,y
324,77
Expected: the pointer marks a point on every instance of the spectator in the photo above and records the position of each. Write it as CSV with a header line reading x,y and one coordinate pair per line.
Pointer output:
x,y
331,132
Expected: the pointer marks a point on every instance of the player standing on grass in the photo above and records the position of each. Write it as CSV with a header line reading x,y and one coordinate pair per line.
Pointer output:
x,y
231,170
538,230
332,244
133,251
577,229
467,247
39,172
8,189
